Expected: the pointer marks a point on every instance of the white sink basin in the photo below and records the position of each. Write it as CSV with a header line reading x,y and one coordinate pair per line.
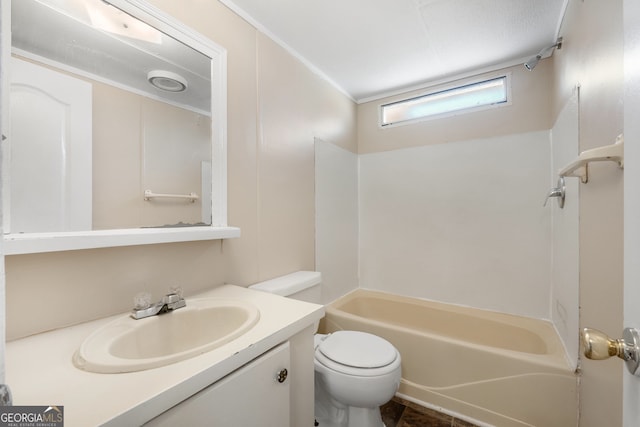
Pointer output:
x,y
128,345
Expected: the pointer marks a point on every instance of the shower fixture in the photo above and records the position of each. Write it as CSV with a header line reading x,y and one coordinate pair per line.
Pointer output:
x,y
531,64
558,191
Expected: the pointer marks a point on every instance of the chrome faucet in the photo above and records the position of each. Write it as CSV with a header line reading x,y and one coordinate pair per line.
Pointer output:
x,y
559,192
143,307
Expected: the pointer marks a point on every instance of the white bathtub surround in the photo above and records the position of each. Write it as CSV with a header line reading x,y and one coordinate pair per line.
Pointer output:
x,y
461,222
336,219
565,253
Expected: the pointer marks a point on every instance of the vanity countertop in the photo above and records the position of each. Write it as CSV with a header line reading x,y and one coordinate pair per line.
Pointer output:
x,y
40,371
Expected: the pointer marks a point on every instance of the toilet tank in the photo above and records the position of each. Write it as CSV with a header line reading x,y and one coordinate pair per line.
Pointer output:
x,y
301,285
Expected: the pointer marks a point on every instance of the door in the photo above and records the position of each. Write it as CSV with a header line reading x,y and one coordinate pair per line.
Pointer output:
x,y
5,48
631,384
50,138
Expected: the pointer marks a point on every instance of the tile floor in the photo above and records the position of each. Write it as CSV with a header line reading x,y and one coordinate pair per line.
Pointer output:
x,y
402,413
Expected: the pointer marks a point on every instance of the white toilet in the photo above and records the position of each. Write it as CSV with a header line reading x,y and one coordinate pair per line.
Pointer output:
x,y
355,372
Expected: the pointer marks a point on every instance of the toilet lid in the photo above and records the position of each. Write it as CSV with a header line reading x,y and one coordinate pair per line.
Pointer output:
x,y
358,349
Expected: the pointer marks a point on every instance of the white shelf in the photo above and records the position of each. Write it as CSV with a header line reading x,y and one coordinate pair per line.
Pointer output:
x,y
29,243
580,167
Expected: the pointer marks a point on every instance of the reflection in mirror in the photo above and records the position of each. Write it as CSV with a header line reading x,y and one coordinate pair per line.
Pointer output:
x,y
104,107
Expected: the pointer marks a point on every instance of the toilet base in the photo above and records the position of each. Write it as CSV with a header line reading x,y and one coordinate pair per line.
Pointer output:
x,y
364,417
330,413
354,417
327,411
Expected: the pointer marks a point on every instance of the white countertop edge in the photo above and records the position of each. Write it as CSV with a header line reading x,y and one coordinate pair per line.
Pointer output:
x,y
40,372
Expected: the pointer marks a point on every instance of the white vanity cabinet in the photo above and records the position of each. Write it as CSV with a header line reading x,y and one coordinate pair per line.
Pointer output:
x,y
257,394
235,385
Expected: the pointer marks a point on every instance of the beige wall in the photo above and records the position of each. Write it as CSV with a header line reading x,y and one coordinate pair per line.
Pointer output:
x,y
592,56
275,109
145,152
291,102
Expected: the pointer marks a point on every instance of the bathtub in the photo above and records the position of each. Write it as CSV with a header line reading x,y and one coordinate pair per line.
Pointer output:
x,y
488,368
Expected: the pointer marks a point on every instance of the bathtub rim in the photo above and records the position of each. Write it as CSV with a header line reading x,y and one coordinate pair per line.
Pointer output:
x,y
556,356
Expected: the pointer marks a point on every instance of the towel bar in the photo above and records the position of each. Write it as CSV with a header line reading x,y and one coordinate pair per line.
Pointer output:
x,y
148,195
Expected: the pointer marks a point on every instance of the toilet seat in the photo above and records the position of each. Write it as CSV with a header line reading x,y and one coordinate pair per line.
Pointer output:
x,y
357,353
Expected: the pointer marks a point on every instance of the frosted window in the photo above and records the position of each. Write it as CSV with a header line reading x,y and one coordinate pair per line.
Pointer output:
x,y
471,96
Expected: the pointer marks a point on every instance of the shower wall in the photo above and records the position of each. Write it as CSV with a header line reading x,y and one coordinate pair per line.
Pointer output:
x,y
451,208
565,253
336,193
461,223
594,57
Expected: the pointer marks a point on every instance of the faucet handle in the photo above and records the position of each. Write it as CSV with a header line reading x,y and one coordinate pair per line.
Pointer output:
x,y
175,290
142,300
558,191
173,299
174,296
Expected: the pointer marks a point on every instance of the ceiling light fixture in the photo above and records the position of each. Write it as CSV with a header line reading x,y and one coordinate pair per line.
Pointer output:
x,y
531,64
167,81
106,17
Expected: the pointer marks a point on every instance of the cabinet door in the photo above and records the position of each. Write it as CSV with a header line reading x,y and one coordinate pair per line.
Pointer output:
x,y
257,394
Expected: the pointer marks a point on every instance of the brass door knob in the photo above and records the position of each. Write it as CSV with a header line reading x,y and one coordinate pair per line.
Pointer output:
x,y
599,346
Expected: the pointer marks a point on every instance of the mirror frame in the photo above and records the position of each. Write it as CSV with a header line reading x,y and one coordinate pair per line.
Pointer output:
x,y
25,243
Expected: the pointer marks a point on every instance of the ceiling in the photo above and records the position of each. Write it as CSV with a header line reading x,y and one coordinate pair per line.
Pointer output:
x,y
117,48
371,48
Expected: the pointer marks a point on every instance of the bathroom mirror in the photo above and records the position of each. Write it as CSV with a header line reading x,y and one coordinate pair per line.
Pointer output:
x,y
116,134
